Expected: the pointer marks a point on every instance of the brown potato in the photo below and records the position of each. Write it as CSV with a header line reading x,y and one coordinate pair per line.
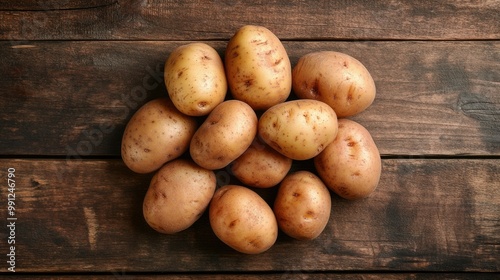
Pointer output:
x,y
241,219
302,205
258,68
226,133
178,195
261,166
195,79
335,78
351,165
156,134
298,129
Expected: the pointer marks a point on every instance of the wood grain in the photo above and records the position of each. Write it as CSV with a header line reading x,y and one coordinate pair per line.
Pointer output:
x,y
216,20
79,216
433,98
270,276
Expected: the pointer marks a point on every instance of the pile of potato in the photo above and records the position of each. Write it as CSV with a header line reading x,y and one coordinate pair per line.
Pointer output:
x,y
239,115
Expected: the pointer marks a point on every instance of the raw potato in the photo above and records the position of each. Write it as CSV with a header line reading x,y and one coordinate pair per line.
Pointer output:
x,y
241,219
261,166
298,129
226,133
178,195
258,68
195,79
335,78
303,205
351,165
156,134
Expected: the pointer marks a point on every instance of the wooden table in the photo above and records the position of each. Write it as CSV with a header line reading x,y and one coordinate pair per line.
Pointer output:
x,y
73,72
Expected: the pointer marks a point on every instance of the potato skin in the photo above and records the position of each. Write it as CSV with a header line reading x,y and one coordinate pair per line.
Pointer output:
x,y
351,165
298,129
241,219
156,134
302,205
225,134
258,68
335,78
178,195
261,166
195,79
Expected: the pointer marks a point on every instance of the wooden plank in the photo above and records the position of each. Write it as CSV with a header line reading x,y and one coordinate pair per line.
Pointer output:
x,y
216,20
270,276
433,98
76,216
32,6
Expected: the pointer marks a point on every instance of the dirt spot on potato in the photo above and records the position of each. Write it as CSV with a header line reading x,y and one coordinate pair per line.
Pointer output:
x,y
320,148
202,104
248,82
309,215
350,93
233,223
306,116
343,191
256,242
260,42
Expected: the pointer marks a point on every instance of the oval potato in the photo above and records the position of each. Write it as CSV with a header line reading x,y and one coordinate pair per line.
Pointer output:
x,y
302,205
178,195
241,219
298,129
258,68
225,134
351,165
156,134
335,78
261,166
195,79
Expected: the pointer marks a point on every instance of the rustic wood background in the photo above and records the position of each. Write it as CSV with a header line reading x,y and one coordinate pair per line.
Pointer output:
x,y
73,72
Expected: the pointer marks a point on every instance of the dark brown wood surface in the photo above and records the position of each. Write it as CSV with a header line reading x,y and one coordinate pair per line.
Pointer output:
x,y
86,215
73,72
215,20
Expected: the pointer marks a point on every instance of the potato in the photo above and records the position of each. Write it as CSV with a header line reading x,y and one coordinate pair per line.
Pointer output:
x,y
195,79
258,68
351,165
302,205
225,134
260,166
156,134
335,78
241,219
298,129
178,195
